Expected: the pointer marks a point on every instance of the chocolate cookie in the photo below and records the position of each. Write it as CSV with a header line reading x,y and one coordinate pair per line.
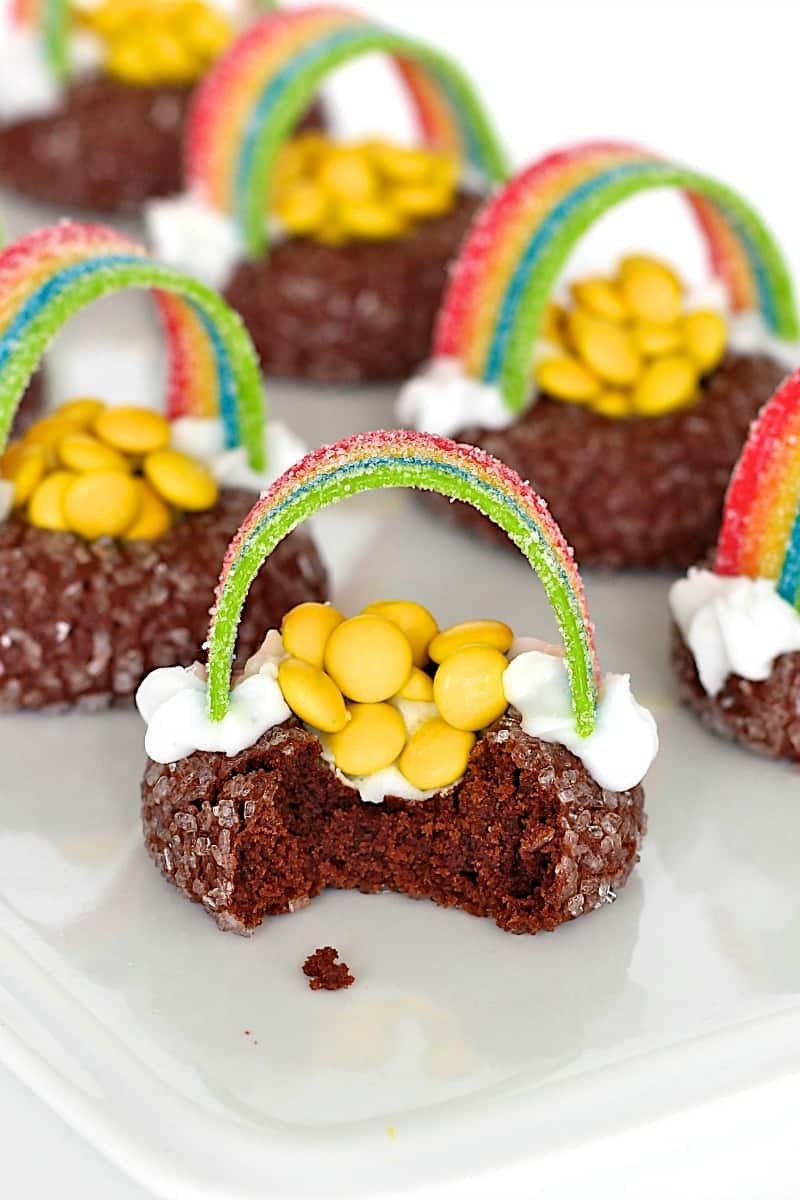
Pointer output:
x,y
526,837
111,147
764,716
644,492
362,311
82,622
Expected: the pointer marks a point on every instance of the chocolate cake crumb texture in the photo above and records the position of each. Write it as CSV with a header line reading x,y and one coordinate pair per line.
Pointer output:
x,y
362,311
325,973
526,837
82,622
633,493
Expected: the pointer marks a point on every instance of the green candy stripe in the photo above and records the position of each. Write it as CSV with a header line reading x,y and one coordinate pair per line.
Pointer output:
x,y
515,376
362,477
56,27
44,327
298,94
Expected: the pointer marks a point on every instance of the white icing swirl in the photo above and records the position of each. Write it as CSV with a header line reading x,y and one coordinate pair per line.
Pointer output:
x,y
187,233
443,400
733,625
204,438
625,739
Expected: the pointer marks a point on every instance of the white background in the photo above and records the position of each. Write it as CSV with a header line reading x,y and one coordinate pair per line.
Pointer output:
x,y
715,85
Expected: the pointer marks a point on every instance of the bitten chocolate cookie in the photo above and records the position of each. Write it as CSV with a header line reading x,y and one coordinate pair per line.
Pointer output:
x,y
113,521
526,837
111,137
736,640
335,253
626,401
464,765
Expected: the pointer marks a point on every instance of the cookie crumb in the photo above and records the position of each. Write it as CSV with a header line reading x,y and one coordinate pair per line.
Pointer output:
x,y
324,971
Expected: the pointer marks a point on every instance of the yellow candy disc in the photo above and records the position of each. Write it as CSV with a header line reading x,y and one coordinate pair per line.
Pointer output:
x,y
372,740
24,466
46,507
415,622
652,341
555,324
346,175
666,384
49,432
306,629
153,519
652,292
133,430
705,335
301,207
418,686
101,504
81,452
422,200
613,403
312,695
181,480
468,687
84,411
399,164
470,633
567,379
436,755
601,298
371,220
368,658
606,348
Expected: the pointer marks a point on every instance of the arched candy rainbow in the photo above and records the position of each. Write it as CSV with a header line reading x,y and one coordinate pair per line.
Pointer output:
x,y
46,277
509,264
403,459
760,535
254,96
50,19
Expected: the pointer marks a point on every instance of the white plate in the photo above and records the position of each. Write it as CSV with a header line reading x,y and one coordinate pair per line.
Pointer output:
x,y
461,1049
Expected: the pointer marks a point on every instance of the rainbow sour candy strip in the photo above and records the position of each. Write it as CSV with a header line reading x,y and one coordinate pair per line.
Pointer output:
x,y
403,459
51,20
497,298
760,535
254,96
48,276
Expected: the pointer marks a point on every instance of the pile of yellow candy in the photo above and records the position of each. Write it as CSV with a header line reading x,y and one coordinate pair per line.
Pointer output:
x,y
104,472
350,679
369,190
148,42
626,347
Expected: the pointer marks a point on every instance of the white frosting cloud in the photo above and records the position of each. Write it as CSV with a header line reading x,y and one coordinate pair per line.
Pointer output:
x,y
733,625
204,438
189,234
443,400
174,703
27,88
625,740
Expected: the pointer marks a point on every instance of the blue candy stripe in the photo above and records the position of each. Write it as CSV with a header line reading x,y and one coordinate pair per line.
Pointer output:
x,y
789,582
